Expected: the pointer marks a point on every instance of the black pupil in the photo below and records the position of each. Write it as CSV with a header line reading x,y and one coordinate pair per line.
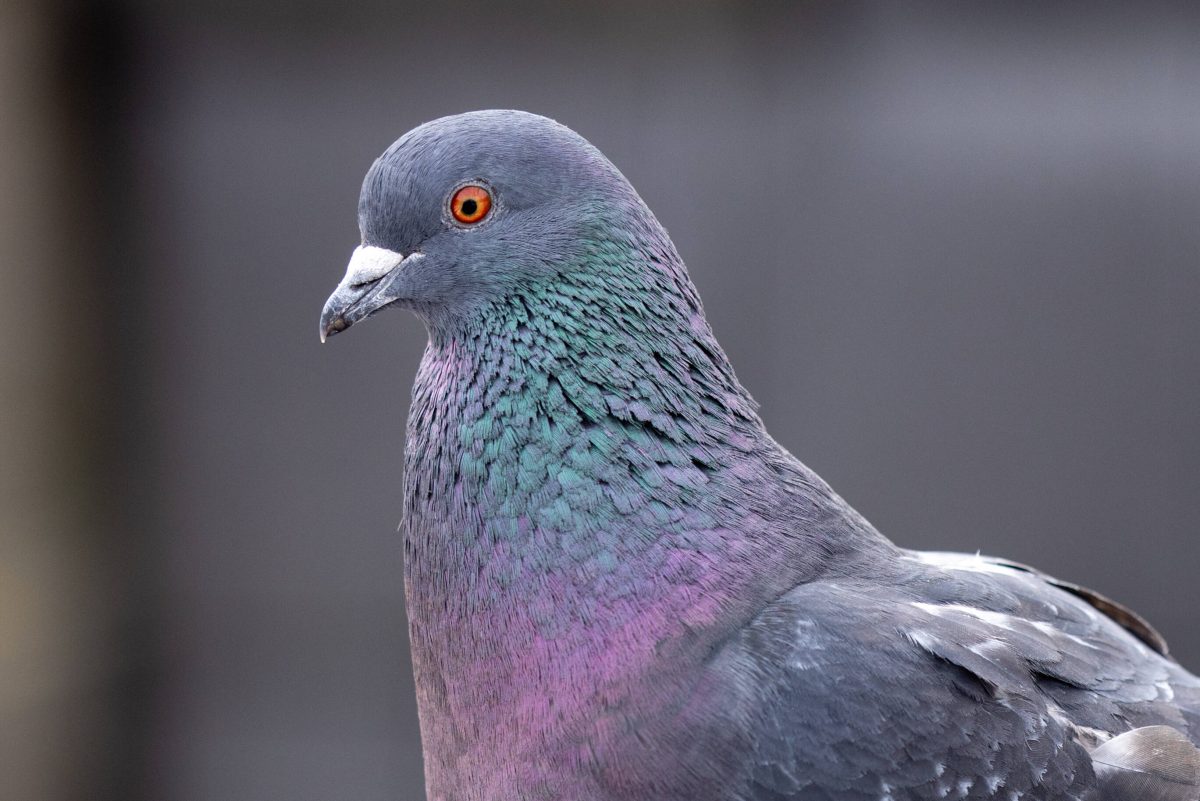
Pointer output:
x,y
469,207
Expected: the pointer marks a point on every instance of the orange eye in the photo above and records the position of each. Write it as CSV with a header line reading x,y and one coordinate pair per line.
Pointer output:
x,y
470,204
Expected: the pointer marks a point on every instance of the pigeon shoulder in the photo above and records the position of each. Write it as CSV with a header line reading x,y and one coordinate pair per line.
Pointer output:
x,y
845,702
1100,661
950,677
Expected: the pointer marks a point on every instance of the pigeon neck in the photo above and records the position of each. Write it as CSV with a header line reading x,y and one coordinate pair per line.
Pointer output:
x,y
584,441
590,501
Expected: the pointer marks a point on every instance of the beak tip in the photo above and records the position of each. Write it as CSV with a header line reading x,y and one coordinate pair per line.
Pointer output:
x,y
335,326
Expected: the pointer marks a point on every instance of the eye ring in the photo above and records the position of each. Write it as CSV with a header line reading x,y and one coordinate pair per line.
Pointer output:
x,y
470,204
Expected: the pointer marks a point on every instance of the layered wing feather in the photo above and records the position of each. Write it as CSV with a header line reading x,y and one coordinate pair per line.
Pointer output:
x,y
959,677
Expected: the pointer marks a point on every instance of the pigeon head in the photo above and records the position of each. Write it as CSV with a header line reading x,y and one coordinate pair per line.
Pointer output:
x,y
468,210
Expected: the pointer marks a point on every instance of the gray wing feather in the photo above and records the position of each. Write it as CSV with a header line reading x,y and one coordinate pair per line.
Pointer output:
x,y
1153,763
1120,614
961,678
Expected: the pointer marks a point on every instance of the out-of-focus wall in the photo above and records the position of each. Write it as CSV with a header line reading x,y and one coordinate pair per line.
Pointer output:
x,y
951,248
59,601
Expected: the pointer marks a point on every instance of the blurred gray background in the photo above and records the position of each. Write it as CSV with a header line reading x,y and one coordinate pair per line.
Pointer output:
x,y
953,249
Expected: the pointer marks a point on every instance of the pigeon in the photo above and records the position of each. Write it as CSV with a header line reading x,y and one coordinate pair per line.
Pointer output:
x,y
620,587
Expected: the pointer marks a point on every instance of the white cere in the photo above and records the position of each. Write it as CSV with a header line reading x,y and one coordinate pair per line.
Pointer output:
x,y
369,263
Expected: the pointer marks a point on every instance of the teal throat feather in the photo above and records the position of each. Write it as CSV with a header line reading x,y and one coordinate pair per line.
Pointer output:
x,y
588,497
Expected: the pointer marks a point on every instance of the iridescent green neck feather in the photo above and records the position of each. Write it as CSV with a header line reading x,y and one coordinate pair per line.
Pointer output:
x,y
589,490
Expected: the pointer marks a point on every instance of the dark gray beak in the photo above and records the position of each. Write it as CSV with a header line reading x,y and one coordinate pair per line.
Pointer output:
x,y
367,287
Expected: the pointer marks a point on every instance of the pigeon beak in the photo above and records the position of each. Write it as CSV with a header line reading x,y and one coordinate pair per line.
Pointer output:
x,y
365,288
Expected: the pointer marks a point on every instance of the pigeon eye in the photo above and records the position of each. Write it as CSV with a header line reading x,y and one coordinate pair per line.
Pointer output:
x,y
470,204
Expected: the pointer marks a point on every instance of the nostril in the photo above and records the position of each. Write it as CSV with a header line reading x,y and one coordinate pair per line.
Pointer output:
x,y
369,263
